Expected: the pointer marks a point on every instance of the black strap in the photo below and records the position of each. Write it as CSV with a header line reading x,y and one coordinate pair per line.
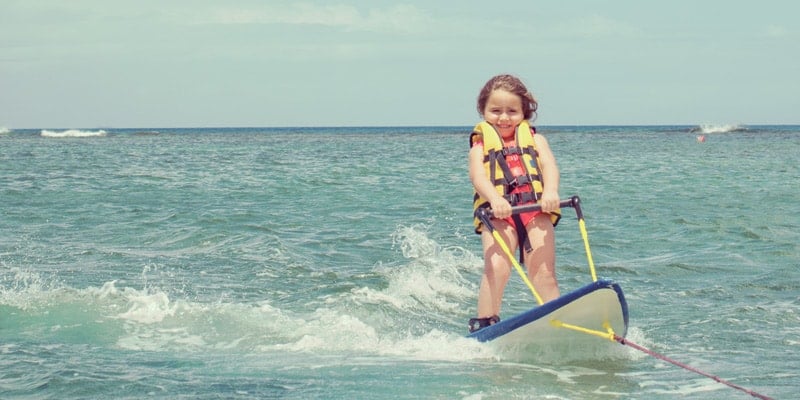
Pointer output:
x,y
521,198
512,150
522,237
498,159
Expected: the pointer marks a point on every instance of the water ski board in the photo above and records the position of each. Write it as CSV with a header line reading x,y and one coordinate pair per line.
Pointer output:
x,y
593,307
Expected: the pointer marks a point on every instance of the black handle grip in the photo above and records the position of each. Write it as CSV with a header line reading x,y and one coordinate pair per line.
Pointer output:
x,y
485,213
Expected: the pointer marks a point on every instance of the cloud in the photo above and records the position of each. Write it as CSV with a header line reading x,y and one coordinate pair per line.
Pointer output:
x,y
398,19
776,31
596,26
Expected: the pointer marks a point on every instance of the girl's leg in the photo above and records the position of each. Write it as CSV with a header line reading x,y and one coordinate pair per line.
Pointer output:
x,y
496,269
541,260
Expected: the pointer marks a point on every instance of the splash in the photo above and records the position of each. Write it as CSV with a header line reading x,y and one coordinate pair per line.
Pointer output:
x,y
432,280
711,128
22,289
152,319
73,133
414,310
4,130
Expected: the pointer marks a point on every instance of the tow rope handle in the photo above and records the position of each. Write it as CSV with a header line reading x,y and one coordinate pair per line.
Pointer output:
x,y
485,215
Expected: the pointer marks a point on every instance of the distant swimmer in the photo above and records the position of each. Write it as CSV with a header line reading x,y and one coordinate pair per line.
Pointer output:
x,y
701,138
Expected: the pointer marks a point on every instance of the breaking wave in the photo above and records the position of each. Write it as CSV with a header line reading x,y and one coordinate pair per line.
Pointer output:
x,y
72,133
712,128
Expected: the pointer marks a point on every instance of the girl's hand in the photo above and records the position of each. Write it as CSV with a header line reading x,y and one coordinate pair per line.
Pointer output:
x,y
501,208
549,201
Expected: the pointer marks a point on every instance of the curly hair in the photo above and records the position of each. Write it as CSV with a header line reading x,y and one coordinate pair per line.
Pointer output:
x,y
510,84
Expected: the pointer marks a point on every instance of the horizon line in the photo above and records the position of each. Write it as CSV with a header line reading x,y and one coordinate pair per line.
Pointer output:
x,y
385,126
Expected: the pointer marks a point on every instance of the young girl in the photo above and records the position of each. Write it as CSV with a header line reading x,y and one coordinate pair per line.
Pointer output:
x,y
509,165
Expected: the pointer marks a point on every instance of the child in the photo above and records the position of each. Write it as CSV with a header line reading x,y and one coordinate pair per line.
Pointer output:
x,y
510,164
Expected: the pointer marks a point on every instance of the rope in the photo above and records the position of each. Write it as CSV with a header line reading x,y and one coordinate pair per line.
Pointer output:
x,y
585,236
574,202
499,240
627,342
609,334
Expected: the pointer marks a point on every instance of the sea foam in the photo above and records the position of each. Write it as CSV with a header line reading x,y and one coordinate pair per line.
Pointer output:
x,y
713,128
72,133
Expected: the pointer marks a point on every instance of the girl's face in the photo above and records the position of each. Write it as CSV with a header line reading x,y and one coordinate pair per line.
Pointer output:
x,y
504,111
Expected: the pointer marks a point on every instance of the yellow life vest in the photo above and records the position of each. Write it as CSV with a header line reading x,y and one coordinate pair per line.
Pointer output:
x,y
498,172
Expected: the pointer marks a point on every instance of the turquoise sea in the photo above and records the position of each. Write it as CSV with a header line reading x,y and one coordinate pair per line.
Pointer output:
x,y
339,263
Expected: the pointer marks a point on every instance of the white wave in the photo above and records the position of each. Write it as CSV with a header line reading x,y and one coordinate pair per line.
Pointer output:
x,y
72,133
712,128
432,281
22,289
4,130
419,313
398,326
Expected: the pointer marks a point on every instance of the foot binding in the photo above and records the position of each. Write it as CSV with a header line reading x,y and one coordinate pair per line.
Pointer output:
x,y
476,324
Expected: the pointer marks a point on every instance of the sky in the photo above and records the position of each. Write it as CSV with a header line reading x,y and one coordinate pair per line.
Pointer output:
x,y
274,63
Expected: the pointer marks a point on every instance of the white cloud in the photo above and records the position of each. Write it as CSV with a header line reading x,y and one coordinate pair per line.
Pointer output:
x,y
776,31
404,19
596,26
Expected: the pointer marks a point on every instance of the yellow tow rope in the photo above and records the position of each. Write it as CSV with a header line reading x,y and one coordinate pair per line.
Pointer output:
x,y
520,271
585,237
485,216
608,334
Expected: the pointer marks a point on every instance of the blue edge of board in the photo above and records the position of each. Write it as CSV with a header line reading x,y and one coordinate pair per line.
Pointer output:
x,y
501,328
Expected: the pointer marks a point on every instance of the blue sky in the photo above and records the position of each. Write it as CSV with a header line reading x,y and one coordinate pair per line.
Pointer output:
x,y
180,63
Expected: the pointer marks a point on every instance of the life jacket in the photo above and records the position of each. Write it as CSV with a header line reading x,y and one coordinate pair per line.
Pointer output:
x,y
499,173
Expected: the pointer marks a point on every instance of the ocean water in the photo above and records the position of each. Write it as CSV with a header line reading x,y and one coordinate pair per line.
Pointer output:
x,y
332,263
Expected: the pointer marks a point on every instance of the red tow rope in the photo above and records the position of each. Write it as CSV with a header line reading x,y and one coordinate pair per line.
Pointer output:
x,y
627,342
